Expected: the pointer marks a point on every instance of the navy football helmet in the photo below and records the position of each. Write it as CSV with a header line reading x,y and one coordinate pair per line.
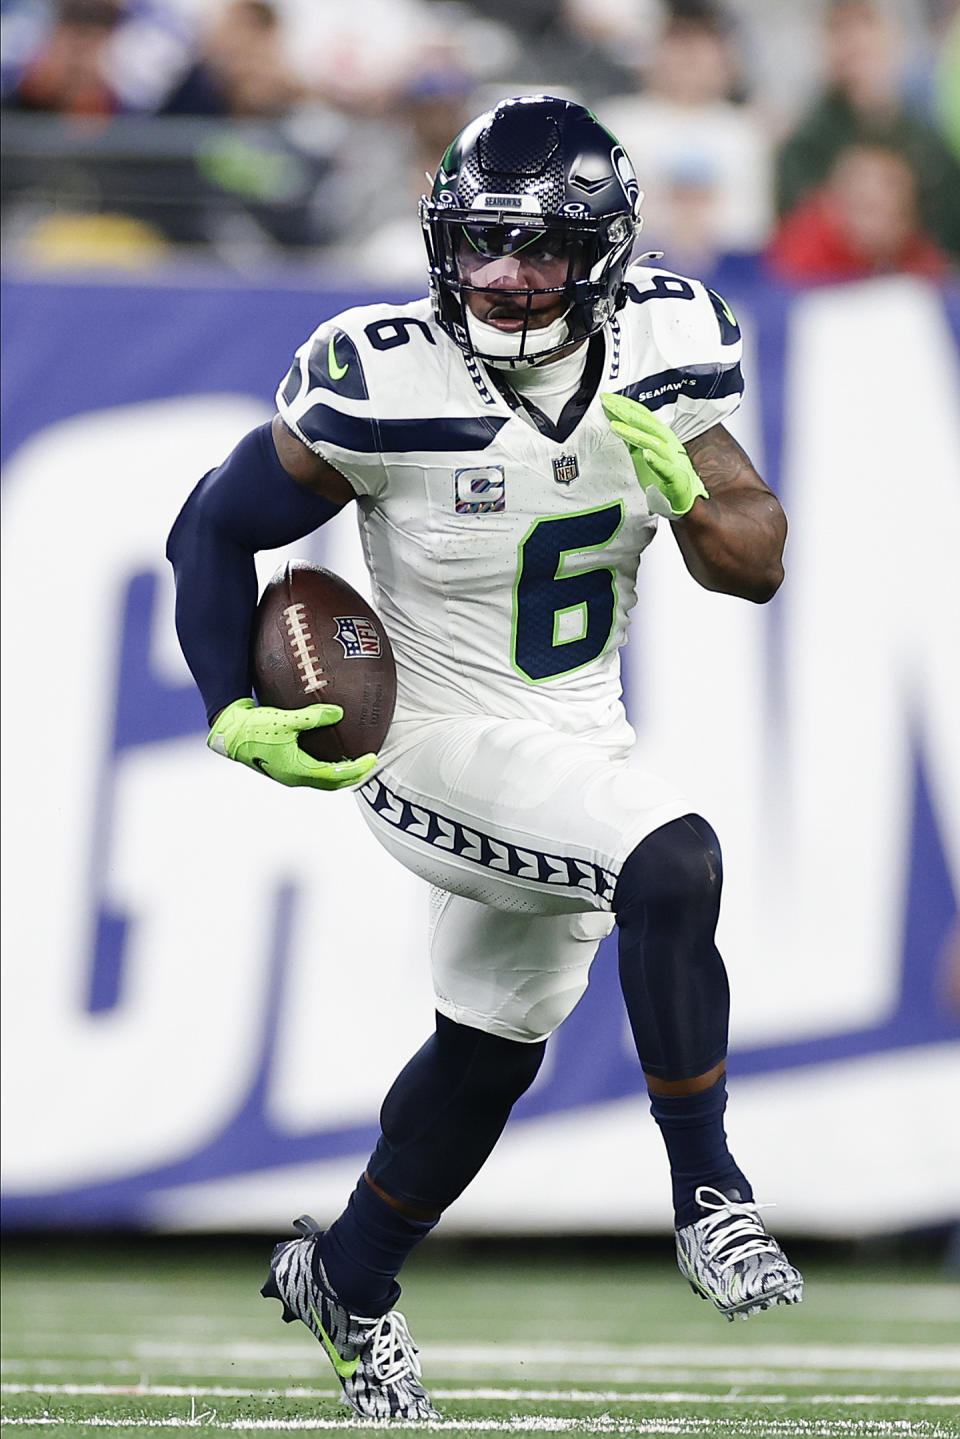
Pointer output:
x,y
532,216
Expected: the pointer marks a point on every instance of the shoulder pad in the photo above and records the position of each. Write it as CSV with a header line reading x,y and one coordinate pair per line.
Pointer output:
x,y
686,350
644,284
329,360
373,381
326,393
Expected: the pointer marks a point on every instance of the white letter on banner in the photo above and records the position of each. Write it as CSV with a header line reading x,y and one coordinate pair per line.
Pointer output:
x,y
191,851
872,633
792,726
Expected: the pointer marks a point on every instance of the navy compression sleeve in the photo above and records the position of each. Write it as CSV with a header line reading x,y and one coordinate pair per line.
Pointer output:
x,y
248,503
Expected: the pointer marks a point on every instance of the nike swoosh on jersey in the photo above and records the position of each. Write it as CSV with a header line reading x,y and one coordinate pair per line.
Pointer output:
x,y
346,1368
335,371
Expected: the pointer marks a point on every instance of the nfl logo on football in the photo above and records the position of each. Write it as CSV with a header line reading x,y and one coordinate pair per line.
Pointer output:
x,y
566,469
358,637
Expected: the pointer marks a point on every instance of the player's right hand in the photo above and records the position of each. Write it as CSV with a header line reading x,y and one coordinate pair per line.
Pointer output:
x,y
266,739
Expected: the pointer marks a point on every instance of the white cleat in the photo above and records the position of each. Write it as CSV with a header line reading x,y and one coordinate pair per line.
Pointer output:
x,y
374,1359
729,1258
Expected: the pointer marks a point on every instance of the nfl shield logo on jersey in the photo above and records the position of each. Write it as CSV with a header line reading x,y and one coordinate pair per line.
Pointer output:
x,y
566,469
358,637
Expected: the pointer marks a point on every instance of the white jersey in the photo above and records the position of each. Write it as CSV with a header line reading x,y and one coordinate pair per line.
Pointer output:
x,y
503,556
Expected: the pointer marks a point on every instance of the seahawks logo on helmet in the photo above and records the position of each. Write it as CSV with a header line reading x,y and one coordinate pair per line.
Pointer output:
x,y
628,176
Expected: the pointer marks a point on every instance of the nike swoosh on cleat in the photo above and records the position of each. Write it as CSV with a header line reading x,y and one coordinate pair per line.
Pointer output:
x,y
346,1368
335,371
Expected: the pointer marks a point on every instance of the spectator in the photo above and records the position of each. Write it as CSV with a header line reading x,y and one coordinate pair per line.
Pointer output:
x,y
68,74
702,158
946,85
142,55
242,70
862,102
621,30
262,184
578,47
359,55
384,174
863,221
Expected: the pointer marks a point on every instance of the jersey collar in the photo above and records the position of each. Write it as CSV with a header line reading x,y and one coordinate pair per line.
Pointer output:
x,y
577,405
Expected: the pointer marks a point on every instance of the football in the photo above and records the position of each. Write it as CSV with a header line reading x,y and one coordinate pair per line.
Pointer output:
x,y
316,641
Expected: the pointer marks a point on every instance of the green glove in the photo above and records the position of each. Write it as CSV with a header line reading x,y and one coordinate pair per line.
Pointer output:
x,y
266,739
663,467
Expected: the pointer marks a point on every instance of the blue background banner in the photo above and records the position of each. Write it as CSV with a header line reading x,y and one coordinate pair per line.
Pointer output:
x,y
838,784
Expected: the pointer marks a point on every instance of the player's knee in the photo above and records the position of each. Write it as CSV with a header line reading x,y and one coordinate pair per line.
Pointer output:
x,y
534,1019
678,864
490,1067
527,1012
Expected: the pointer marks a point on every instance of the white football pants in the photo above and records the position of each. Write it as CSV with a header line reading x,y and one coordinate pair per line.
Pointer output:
x,y
522,830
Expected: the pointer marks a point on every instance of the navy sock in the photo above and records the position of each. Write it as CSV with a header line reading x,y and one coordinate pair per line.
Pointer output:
x,y
692,1129
362,1251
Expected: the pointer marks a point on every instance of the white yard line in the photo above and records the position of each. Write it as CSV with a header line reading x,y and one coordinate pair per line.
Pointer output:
x,y
879,1356
765,1428
565,1396
309,1369
927,1358
904,1358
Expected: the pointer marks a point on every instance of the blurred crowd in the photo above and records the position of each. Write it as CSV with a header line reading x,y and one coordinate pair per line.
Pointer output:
x,y
822,134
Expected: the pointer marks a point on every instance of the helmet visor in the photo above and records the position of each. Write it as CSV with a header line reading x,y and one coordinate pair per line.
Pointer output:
x,y
507,252
517,257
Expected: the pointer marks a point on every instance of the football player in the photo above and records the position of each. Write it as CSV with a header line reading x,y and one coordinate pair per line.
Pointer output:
x,y
511,443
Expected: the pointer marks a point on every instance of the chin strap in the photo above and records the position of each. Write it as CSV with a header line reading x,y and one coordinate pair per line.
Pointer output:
x,y
499,349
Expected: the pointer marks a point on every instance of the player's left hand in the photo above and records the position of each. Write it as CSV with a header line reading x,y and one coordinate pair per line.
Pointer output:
x,y
663,467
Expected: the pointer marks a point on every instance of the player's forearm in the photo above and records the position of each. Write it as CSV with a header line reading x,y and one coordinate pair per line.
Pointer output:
x,y
733,543
216,583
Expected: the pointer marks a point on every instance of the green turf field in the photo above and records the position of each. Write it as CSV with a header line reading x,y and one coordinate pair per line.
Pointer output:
x,y
139,1338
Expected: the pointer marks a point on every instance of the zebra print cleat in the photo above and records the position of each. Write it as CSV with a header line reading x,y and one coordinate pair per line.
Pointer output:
x,y
374,1359
729,1258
